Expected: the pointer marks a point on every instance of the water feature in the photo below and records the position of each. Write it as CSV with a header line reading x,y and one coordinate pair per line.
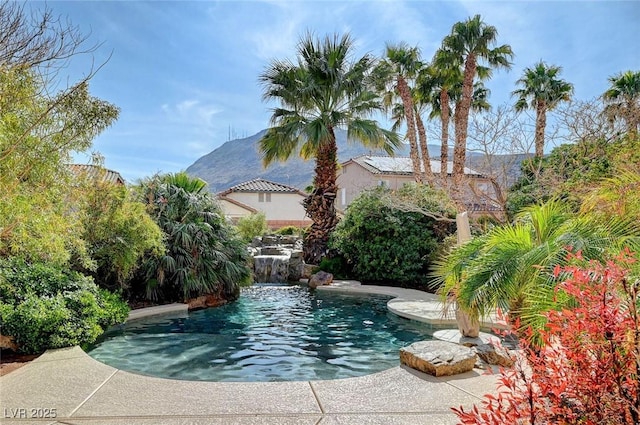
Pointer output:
x,y
272,333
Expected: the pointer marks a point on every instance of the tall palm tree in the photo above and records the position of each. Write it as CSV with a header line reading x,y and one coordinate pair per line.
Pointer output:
x,y
437,84
441,84
322,91
622,100
469,43
393,76
542,91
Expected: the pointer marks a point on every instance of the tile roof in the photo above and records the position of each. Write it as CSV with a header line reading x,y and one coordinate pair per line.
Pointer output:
x,y
260,185
401,165
96,172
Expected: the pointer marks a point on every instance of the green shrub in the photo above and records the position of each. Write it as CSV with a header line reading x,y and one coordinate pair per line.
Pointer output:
x,y
251,226
385,244
43,306
289,230
337,265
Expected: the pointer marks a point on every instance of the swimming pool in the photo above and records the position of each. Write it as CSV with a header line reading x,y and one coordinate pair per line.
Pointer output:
x,y
272,333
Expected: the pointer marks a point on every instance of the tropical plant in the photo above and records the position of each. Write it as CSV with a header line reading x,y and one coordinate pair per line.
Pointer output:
x,y
394,76
470,43
541,90
324,90
586,370
622,100
511,267
382,243
202,253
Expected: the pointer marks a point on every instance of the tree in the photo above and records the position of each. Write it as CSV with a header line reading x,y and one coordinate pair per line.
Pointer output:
x,y
117,231
437,84
203,255
393,75
541,90
622,100
469,43
324,90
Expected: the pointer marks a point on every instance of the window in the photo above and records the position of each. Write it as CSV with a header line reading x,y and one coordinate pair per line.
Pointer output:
x,y
264,197
383,183
343,196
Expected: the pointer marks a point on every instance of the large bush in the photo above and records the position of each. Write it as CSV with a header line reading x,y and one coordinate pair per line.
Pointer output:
x,y
387,237
44,306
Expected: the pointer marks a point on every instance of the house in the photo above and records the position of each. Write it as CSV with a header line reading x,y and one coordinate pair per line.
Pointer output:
x,y
367,171
281,204
95,172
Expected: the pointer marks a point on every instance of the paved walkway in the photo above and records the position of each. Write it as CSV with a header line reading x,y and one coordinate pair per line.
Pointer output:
x,y
78,390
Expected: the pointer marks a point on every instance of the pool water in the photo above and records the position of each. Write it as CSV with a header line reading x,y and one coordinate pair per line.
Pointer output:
x,y
272,333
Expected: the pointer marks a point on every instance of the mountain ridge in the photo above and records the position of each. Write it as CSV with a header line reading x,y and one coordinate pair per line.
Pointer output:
x,y
238,160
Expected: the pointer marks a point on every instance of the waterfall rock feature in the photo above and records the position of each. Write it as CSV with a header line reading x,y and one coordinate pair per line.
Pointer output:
x,y
276,259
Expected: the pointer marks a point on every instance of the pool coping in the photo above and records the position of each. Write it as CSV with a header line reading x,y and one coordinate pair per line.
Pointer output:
x,y
85,391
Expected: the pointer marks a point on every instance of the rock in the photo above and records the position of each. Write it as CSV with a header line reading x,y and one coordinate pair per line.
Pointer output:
x,y
319,279
298,244
256,242
273,250
308,271
271,268
296,265
288,239
269,240
438,358
494,354
205,301
8,342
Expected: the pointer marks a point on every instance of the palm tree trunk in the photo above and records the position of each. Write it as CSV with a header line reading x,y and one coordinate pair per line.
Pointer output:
x,y
461,121
424,150
320,204
541,124
444,142
407,103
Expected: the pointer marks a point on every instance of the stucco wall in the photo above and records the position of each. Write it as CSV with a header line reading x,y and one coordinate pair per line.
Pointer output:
x,y
281,207
354,178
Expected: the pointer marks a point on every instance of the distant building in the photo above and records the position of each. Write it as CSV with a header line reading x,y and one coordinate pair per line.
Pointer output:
x,y
366,171
281,204
97,173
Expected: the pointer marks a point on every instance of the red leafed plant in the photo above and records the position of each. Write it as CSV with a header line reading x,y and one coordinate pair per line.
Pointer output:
x,y
586,370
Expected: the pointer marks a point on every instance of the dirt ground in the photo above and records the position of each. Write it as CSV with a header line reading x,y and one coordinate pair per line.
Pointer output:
x,y
10,361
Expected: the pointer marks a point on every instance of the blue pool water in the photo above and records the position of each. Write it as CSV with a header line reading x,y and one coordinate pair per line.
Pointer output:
x,y
272,333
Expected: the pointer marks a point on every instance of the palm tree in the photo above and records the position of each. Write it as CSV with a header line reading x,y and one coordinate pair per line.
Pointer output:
x,y
436,86
441,84
322,91
393,76
541,90
512,267
469,43
622,100
203,256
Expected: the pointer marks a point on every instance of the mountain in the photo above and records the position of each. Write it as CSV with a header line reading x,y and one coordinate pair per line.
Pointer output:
x,y
238,160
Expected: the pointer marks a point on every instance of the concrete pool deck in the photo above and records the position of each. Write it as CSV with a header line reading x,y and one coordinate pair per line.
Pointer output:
x,y
85,391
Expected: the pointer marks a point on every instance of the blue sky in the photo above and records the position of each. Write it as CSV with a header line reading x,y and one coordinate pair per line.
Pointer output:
x,y
185,74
